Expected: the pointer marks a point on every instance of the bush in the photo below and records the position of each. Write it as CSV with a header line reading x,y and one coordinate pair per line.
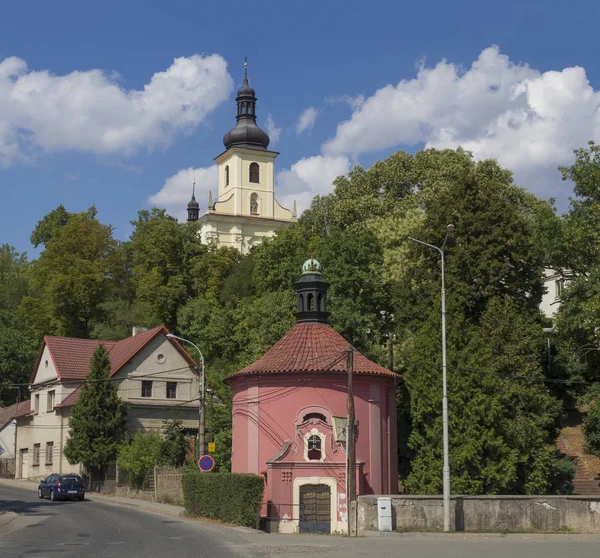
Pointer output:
x,y
139,456
228,497
173,447
591,429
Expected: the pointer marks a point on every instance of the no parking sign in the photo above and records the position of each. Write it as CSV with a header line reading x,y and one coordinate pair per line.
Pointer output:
x,y
206,463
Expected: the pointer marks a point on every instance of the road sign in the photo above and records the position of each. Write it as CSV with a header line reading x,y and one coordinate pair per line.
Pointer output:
x,y
211,447
206,463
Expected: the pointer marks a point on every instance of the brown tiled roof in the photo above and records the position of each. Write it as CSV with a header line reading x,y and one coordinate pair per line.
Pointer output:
x,y
72,356
71,399
14,411
311,347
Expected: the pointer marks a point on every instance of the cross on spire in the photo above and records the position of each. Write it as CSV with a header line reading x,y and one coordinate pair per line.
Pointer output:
x,y
246,69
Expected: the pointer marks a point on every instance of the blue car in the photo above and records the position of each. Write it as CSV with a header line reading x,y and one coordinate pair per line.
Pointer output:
x,y
56,487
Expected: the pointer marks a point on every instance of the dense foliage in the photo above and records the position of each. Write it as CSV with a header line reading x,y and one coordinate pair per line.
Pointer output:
x,y
97,421
227,497
384,298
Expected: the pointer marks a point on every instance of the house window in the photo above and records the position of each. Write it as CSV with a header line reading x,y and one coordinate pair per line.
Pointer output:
x,y
146,388
254,204
254,173
36,455
171,390
50,402
314,448
36,404
49,452
227,175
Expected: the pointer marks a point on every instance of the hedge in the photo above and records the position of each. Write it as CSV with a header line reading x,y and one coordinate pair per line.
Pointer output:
x,y
229,497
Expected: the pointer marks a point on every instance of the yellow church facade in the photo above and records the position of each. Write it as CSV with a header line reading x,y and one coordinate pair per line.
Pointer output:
x,y
245,210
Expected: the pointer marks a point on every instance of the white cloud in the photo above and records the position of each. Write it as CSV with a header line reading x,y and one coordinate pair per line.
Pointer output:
x,y
307,178
307,120
529,120
89,111
177,190
273,131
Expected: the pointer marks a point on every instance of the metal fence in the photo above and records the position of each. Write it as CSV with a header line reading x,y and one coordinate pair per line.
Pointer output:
x,y
7,468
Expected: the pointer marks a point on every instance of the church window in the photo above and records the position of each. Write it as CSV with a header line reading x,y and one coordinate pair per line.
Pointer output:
x,y
300,303
314,448
310,302
254,204
320,305
317,416
227,175
254,173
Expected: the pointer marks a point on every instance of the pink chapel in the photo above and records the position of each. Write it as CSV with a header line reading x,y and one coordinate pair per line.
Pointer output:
x,y
289,420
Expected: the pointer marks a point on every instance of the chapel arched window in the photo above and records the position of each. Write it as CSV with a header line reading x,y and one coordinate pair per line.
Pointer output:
x,y
227,175
314,448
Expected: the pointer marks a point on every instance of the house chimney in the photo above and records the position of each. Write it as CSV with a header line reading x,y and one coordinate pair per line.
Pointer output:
x,y
138,329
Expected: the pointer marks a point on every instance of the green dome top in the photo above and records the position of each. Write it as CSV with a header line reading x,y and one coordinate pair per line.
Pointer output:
x,y
311,266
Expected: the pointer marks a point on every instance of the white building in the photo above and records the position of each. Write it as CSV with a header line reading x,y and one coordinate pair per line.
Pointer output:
x,y
245,211
157,380
554,284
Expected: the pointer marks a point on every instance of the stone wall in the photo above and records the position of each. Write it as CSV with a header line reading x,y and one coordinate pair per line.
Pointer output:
x,y
486,513
168,486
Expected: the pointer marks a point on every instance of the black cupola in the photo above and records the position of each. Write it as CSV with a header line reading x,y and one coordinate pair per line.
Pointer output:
x,y
311,292
246,133
193,207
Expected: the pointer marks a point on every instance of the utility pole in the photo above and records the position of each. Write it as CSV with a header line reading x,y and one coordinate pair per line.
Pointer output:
x,y
350,441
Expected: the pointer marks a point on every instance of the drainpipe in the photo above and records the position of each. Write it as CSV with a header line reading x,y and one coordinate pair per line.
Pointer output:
x,y
60,453
15,450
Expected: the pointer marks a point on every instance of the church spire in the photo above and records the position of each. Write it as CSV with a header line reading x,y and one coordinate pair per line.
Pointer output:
x,y
246,132
193,207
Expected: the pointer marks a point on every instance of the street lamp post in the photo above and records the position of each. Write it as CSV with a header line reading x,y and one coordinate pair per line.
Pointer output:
x,y
446,467
549,331
201,393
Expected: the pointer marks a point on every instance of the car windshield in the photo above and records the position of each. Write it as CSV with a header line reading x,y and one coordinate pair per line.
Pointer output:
x,y
71,478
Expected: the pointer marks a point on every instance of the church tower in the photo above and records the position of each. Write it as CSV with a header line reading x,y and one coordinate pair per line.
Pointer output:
x,y
245,211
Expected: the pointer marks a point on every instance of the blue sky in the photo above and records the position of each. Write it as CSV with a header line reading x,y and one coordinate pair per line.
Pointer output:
x,y
119,103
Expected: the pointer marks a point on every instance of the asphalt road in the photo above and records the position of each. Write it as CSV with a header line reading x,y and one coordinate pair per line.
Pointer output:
x,y
92,529
43,529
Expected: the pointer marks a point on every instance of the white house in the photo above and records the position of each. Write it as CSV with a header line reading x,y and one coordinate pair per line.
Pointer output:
x,y
555,281
157,379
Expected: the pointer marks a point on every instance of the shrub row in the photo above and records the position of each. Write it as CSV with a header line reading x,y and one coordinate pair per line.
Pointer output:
x,y
229,497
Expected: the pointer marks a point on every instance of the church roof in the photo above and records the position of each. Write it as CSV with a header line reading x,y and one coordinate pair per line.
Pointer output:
x,y
311,347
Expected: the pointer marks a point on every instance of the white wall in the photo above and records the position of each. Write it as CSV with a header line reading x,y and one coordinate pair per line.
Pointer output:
x,y
7,440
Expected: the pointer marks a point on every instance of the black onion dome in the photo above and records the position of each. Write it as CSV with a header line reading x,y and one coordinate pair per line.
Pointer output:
x,y
246,132
193,204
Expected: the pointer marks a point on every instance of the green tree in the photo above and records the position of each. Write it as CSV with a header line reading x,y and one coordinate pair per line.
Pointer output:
x,y
173,446
14,269
97,423
71,278
162,252
139,456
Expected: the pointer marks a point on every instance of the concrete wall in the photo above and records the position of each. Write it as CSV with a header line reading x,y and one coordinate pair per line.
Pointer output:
x,y
168,486
487,513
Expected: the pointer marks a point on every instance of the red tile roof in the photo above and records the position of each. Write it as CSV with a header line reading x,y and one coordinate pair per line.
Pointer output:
x,y
72,356
311,347
14,411
71,399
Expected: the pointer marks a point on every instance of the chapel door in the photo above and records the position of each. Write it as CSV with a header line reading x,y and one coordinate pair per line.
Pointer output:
x,y
315,508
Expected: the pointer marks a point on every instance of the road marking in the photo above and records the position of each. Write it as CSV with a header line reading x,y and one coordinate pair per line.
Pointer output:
x,y
116,542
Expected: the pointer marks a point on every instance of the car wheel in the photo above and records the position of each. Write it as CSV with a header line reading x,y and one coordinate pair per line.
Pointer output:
x,y
40,495
52,496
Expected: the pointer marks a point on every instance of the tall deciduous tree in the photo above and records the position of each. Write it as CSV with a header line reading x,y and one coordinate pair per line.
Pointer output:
x,y
71,278
97,423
